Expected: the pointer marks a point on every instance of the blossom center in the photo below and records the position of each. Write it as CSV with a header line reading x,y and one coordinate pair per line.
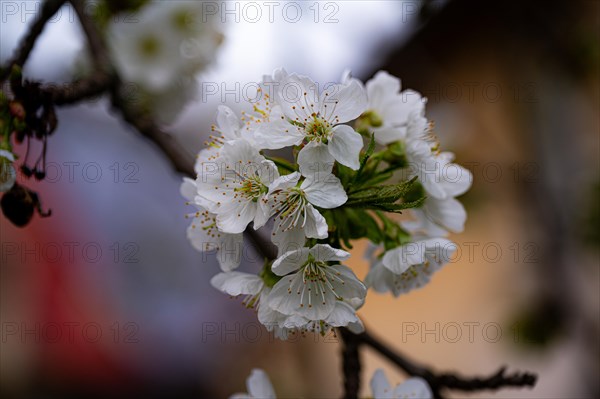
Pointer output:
x,y
318,280
317,129
149,47
290,206
251,188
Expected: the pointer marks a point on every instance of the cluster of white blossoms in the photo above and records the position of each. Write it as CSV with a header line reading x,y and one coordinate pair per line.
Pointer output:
x,y
356,155
159,50
259,387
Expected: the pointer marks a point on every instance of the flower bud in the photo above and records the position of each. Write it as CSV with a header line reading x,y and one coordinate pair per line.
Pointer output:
x,y
17,110
7,171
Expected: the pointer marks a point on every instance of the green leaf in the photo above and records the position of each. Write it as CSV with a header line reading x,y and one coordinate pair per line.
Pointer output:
x,y
397,208
282,164
380,194
368,152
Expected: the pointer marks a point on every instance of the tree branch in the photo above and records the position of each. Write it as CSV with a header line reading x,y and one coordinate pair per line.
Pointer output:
x,y
49,8
181,160
438,382
104,80
350,363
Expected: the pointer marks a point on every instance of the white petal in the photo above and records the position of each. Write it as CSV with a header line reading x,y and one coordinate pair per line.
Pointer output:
x,y
294,295
375,277
316,225
356,327
290,261
188,189
234,151
288,240
325,253
398,260
262,215
315,158
278,134
341,103
342,315
284,182
448,213
381,88
267,172
259,385
413,388
237,283
456,180
230,251
380,386
388,134
201,239
345,145
8,155
298,97
324,190
233,217
350,288
228,123
423,224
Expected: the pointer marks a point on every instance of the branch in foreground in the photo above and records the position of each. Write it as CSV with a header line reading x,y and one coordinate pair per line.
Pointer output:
x,y
49,8
448,380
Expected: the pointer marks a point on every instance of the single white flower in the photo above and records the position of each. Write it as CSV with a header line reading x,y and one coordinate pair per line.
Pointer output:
x,y
159,54
198,33
258,386
409,266
343,315
311,287
256,293
437,217
413,388
235,183
8,175
293,205
204,234
228,128
440,177
146,52
389,111
264,109
318,119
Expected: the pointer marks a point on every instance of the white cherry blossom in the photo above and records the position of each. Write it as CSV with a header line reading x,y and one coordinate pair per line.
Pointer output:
x,y
440,177
413,388
317,119
311,287
437,217
293,205
235,183
256,293
258,386
409,266
389,110
203,232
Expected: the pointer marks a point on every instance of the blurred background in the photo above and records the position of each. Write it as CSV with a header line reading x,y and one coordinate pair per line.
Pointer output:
x,y
107,297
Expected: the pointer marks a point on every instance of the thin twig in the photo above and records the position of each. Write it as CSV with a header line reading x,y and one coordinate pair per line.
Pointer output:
x,y
450,380
80,90
49,8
